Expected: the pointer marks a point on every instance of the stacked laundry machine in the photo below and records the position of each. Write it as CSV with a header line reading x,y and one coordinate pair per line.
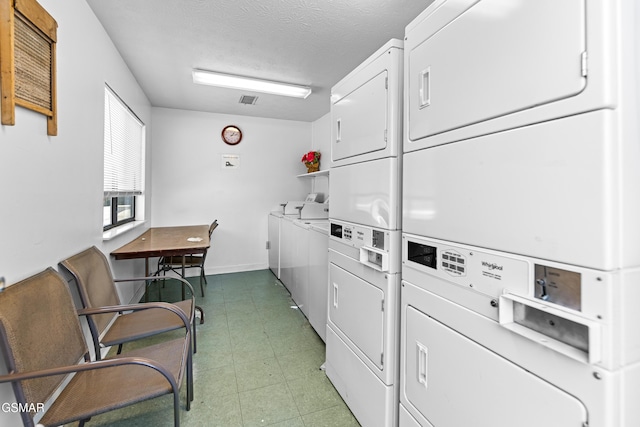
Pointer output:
x,y
362,340
521,198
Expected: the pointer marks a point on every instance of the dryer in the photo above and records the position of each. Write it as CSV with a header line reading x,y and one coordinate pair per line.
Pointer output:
x,y
364,243
524,138
473,67
520,205
362,341
495,339
366,115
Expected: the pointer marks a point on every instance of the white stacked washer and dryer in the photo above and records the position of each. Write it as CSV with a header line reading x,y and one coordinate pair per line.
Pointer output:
x,y
362,344
521,199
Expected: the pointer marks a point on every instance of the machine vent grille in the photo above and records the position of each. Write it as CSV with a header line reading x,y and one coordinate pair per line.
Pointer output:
x,y
248,100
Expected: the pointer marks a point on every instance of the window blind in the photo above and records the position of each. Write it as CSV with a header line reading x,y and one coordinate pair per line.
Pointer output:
x,y
123,148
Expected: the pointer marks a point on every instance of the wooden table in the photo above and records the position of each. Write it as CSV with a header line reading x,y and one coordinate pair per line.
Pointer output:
x,y
166,241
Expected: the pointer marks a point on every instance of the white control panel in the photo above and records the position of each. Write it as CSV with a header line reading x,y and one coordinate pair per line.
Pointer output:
x,y
358,235
560,306
376,247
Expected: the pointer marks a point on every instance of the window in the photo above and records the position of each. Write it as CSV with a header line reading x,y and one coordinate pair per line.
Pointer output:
x,y
124,136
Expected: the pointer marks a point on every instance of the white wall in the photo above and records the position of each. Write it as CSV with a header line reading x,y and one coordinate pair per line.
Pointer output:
x,y
191,187
51,187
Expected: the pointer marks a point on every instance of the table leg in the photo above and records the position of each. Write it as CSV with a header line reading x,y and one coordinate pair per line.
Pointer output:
x,y
146,282
183,290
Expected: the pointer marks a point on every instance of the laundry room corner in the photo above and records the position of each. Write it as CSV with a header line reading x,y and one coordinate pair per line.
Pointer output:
x,y
193,183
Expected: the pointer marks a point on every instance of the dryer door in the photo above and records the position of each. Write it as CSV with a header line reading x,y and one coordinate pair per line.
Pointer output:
x,y
452,381
360,119
493,59
355,308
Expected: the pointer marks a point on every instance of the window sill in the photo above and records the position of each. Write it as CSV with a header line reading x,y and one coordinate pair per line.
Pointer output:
x,y
116,231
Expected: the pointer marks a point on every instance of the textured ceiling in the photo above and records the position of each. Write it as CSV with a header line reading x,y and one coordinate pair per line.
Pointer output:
x,y
308,42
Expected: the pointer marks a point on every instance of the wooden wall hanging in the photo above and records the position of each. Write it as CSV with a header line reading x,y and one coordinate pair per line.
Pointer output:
x,y
28,61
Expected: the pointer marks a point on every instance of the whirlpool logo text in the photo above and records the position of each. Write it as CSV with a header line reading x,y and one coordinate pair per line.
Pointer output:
x,y
491,265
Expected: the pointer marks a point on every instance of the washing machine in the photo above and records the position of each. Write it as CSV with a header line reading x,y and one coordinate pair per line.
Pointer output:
x,y
319,277
273,231
284,238
302,261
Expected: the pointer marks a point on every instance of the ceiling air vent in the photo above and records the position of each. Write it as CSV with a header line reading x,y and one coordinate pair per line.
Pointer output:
x,y
248,100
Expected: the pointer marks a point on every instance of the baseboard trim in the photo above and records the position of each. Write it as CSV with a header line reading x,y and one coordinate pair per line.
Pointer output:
x,y
235,268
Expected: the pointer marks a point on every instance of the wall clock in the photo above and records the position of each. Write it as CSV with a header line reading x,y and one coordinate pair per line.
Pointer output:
x,y
231,135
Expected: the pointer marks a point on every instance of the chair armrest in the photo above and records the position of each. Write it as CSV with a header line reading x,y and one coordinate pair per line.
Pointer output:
x,y
137,279
100,364
137,307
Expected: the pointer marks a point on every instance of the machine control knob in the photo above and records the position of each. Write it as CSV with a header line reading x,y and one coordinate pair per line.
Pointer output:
x,y
541,282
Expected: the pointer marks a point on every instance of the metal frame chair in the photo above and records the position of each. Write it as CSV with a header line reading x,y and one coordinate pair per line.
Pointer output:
x,y
41,352
96,287
174,263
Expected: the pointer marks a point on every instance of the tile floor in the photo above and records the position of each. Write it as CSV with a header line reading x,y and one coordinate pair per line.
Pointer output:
x,y
257,364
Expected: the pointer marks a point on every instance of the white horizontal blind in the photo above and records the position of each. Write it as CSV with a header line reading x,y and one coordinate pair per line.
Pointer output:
x,y
123,149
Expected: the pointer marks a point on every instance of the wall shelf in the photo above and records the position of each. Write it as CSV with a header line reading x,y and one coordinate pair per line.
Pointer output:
x,y
314,174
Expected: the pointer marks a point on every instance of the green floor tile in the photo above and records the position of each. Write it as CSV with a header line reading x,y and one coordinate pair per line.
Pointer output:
x,y
294,422
258,362
221,411
336,416
214,382
300,364
267,405
313,393
258,374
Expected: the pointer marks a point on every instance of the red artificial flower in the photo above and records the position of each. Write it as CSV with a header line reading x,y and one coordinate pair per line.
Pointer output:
x,y
311,157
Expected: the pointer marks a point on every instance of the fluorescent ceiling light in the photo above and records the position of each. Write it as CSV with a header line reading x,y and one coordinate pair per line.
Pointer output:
x,y
236,82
